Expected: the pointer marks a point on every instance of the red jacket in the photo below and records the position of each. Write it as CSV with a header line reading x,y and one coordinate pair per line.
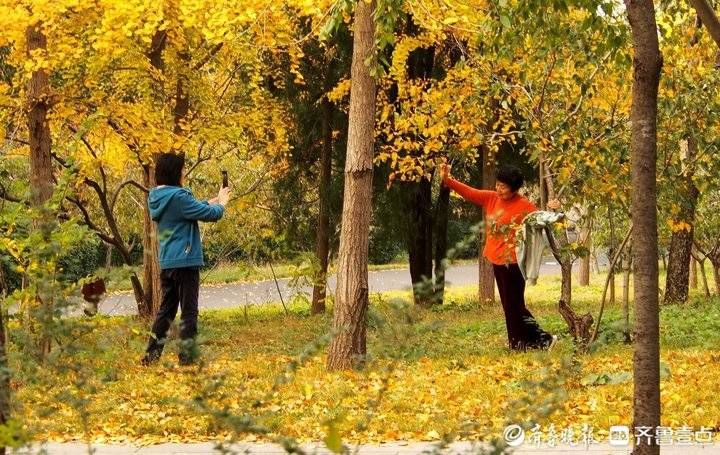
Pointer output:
x,y
502,219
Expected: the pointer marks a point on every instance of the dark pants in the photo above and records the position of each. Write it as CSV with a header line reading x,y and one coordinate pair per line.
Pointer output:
x,y
522,329
180,287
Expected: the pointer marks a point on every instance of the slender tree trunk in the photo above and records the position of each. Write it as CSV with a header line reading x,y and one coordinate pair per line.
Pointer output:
x,y
322,244
703,275
4,379
566,284
420,239
584,269
626,297
693,273
486,288
677,280
716,275
151,266
441,243
348,347
611,252
647,62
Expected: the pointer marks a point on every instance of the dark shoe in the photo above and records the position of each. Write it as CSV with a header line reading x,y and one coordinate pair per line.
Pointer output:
x,y
150,358
185,360
189,352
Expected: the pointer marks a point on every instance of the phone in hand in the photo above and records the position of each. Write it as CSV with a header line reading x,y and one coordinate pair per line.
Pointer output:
x,y
224,179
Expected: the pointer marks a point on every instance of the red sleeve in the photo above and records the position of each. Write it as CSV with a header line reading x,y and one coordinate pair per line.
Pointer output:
x,y
477,197
531,207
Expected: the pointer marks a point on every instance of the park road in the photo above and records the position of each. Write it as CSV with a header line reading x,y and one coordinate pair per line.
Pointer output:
x,y
214,296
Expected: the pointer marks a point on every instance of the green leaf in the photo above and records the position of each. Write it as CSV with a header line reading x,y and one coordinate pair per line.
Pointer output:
x,y
505,21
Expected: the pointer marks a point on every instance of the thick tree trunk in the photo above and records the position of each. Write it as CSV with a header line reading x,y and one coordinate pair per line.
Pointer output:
x,y
322,243
348,347
441,243
41,174
420,239
647,62
419,205
677,281
486,285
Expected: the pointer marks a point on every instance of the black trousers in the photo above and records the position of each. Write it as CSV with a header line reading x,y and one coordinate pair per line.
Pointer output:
x,y
180,288
522,329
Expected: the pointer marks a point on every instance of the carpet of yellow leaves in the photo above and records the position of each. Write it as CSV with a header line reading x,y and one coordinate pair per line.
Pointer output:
x,y
453,370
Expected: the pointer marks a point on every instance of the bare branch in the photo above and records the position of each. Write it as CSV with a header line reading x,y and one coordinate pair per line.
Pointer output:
x,y
708,17
113,199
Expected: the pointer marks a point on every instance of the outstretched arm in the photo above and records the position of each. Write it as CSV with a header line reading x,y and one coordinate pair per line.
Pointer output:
x,y
474,195
192,209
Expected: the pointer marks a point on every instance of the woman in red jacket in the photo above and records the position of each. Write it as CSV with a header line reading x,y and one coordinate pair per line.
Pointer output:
x,y
505,209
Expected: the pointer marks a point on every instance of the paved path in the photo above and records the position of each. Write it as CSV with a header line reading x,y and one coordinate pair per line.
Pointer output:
x,y
238,294
383,449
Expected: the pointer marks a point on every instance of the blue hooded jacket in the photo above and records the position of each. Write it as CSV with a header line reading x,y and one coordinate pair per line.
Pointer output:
x,y
177,213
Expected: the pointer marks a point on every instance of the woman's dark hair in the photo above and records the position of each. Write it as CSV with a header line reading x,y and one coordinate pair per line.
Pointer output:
x,y
168,169
511,176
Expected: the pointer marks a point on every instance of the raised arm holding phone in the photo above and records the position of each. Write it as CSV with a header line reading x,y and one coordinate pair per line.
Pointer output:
x,y
177,213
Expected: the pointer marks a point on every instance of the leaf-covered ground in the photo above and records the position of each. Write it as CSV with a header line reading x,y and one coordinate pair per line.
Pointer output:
x,y
432,372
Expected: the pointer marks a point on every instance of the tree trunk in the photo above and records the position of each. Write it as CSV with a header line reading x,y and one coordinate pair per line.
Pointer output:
x,y
419,201
626,297
584,269
41,176
566,285
441,243
322,243
348,347
693,273
703,275
716,276
611,253
4,379
41,173
677,281
485,273
151,265
420,239
647,62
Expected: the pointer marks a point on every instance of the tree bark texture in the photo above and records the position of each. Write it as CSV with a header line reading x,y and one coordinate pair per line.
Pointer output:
x,y
647,62
348,346
677,281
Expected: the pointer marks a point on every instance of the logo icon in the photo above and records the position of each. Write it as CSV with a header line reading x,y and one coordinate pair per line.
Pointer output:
x,y
619,435
514,435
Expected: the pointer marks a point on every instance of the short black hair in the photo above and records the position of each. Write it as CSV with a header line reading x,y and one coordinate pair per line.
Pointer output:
x,y
168,169
511,176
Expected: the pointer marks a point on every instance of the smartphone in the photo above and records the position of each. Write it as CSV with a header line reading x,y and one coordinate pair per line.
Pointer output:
x,y
224,179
